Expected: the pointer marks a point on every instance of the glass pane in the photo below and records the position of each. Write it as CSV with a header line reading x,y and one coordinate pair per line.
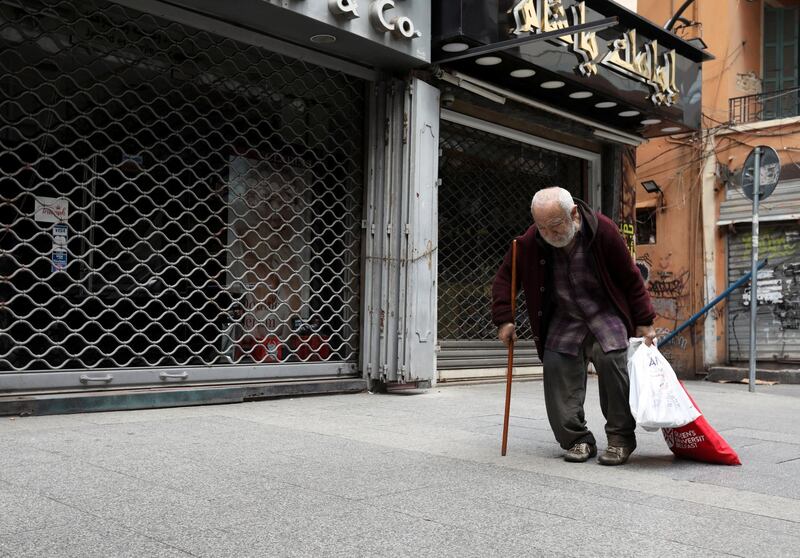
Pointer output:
x,y
770,62
789,69
770,25
789,25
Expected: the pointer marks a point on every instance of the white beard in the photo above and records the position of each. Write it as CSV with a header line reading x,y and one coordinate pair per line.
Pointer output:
x,y
564,241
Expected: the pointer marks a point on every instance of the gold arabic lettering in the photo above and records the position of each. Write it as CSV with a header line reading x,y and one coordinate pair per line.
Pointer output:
x,y
643,65
542,16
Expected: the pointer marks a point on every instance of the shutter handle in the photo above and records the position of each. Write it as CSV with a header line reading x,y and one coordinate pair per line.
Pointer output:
x,y
85,379
167,376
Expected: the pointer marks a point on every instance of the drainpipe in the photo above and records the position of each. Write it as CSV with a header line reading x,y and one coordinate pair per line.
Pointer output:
x,y
709,212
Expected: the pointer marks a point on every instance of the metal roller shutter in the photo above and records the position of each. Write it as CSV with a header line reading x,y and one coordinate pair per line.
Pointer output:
x,y
175,205
778,332
484,201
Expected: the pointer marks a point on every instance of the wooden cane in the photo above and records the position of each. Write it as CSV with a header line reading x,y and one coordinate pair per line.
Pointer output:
x,y
510,345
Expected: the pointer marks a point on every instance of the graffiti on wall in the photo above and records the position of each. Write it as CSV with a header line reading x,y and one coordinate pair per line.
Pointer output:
x,y
778,296
669,284
627,208
629,234
779,282
788,310
779,290
668,290
627,213
776,244
664,283
679,341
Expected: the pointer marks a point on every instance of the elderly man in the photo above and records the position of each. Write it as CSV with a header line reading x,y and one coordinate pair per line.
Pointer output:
x,y
585,298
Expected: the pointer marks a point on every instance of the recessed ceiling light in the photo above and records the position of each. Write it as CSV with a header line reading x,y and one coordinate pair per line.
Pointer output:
x,y
649,121
552,84
669,129
323,39
606,104
581,95
522,73
488,61
629,113
455,47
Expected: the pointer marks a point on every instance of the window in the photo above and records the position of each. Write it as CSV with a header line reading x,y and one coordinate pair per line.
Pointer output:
x,y
646,225
780,69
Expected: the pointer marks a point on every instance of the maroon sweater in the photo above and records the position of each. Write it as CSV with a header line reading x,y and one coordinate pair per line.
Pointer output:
x,y
617,272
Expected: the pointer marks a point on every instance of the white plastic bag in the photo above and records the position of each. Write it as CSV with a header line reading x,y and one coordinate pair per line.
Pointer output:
x,y
657,399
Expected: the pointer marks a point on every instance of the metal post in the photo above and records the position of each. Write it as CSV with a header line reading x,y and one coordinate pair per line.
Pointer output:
x,y
754,275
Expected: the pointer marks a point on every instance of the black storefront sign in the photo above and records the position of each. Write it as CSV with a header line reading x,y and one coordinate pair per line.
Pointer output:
x,y
632,75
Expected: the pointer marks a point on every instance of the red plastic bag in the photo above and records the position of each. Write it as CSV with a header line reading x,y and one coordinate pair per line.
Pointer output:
x,y
700,442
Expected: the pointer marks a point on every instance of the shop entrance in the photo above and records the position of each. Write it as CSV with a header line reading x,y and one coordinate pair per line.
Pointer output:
x,y
177,206
489,175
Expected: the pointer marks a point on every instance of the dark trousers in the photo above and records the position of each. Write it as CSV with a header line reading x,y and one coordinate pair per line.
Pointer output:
x,y
565,392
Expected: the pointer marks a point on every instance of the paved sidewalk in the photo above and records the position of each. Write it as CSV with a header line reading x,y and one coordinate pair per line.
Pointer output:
x,y
393,475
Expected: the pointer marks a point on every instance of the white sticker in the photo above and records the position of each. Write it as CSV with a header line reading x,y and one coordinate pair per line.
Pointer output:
x,y
59,260
59,235
51,210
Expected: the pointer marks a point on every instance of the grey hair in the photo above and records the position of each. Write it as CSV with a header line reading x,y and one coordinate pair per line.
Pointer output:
x,y
555,193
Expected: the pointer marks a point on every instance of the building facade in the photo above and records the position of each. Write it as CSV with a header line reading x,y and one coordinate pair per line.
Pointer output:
x,y
694,234
194,195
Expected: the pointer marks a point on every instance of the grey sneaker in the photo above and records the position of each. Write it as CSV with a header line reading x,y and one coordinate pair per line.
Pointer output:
x,y
615,455
579,453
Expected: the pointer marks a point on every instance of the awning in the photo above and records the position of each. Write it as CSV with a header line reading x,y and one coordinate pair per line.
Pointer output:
x,y
633,76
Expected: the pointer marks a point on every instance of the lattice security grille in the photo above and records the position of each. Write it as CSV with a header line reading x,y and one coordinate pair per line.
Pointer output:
x,y
484,202
170,197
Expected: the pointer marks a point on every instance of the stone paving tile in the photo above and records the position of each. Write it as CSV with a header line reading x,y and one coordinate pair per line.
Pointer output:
x,y
710,534
731,517
444,540
19,454
157,513
150,415
768,452
387,473
373,531
460,509
22,510
18,425
763,435
264,542
582,539
83,538
498,484
199,476
70,481
306,523
789,468
768,481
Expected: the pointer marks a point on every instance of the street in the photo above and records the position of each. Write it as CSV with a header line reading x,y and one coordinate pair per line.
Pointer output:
x,y
415,474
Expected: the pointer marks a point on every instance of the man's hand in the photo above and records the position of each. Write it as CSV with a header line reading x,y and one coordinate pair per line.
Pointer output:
x,y
506,333
648,332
